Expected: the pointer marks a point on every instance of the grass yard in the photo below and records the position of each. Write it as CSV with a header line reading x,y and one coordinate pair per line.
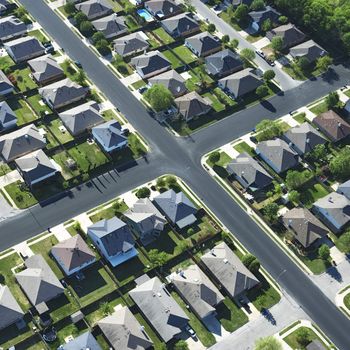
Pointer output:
x,y
6,62
62,137
314,262
138,84
292,339
223,98
131,23
62,307
22,110
312,193
21,195
37,33
319,108
39,106
347,93
230,315
198,77
110,115
130,269
300,118
215,103
164,37
121,66
244,147
23,80
115,5
223,161
185,54
347,301
175,61
109,212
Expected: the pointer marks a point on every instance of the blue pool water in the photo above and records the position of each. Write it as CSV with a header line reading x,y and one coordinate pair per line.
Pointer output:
x,y
145,14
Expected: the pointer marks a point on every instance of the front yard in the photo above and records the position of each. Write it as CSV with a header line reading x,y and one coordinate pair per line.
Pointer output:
x,y
21,195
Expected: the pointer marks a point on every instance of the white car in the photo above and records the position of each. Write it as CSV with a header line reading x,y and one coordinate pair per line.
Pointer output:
x,y
191,331
260,53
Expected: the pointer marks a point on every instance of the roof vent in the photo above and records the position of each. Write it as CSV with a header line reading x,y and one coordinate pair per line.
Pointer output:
x,y
339,125
159,294
330,200
225,261
290,222
307,140
212,252
196,280
171,10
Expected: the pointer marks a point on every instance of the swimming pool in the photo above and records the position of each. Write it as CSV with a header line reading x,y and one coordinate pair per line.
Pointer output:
x,y
145,14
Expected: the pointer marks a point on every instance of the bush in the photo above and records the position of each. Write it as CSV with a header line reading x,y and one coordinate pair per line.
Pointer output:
x,y
324,252
171,180
303,336
80,18
262,91
214,157
86,28
268,129
268,343
251,263
269,75
211,28
143,192
340,164
270,211
225,39
69,8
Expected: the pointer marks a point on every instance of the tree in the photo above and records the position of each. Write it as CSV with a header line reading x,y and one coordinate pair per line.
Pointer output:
x,y
340,164
344,241
319,152
303,64
69,8
266,25
159,97
181,345
283,19
79,18
214,157
267,129
102,47
86,28
160,182
234,44
143,192
248,54
171,180
225,39
294,196
105,308
324,252
80,77
241,12
157,258
251,263
332,100
257,5
269,75
268,343
303,336
270,211
323,63
211,28
262,91
295,179
97,37
277,43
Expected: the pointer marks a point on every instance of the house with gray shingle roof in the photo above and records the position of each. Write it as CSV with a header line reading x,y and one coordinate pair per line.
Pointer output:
x,y
305,227
203,44
21,142
344,189
181,25
95,8
303,138
73,255
257,18
192,105
316,344
10,311
240,83
223,63
333,210
309,49
177,207
146,220
36,167
6,87
123,331
130,44
24,49
160,308
110,136
38,281
289,33
4,6
278,155
11,27
150,64
63,93
249,173
172,80
113,239
84,341
45,69
199,292
81,118
228,270
162,8
8,117
111,26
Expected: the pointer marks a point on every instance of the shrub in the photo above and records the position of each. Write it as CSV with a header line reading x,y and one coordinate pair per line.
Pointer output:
x,y
143,192
214,157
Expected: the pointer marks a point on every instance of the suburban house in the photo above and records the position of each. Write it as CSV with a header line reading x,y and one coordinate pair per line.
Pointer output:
x,y
192,105
197,290
303,138
332,125
240,83
131,44
73,255
162,8
11,27
225,266
38,282
111,26
24,49
10,311
333,210
290,34
172,80
259,17
36,167
203,44
223,63
21,142
123,331
309,49
81,118
316,344
83,341
177,208
160,308
278,155
45,70
6,87
249,173
5,5
63,93
146,220
181,25
113,239
344,189
110,136
305,227
8,117
150,64
95,8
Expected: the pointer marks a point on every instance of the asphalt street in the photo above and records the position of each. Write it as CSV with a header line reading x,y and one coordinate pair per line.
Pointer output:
x,y
181,156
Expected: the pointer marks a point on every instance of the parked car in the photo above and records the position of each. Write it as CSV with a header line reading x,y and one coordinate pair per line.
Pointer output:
x,y
191,332
260,53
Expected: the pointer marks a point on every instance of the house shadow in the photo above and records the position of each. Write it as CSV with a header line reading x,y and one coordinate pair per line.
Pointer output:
x,y
335,274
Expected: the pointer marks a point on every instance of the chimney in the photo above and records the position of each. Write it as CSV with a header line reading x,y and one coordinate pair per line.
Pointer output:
x,y
307,140
290,222
330,200
339,125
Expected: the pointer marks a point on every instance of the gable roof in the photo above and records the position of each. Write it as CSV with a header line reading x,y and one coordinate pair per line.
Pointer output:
x,y
25,46
109,133
197,289
335,127
249,171
20,142
7,115
38,281
308,49
163,8
177,207
5,83
150,62
181,24
110,25
4,5
192,105
290,34
344,189
94,8
83,341
242,82
45,68
203,43
262,15
305,137
223,62
81,117
160,308
10,311
123,331
229,270
114,234
305,226
11,26
129,44
72,253
172,80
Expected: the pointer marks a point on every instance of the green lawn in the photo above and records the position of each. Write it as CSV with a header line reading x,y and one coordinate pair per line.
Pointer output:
x,y
175,61
131,23
198,77
163,36
6,62
244,147
223,98
292,339
215,103
110,115
115,5
23,80
223,161
121,66
347,93
61,158
51,141
300,118
185,54
22,110
314,262
347,301
63,137
37,33
312,193
40,107
110,212
138,84
230,315
319,108
21,195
